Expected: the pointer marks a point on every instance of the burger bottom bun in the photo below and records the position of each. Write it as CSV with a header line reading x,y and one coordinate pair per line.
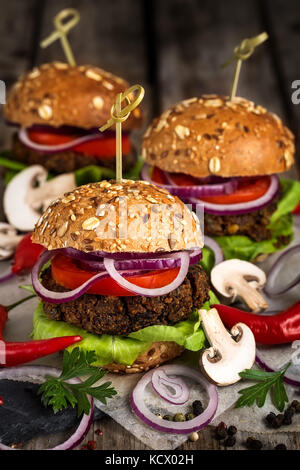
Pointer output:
x,y
157,354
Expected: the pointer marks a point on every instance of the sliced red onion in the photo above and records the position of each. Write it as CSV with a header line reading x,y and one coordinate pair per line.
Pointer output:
x,y
186,427
37,372
215,247
59,297
269,288
110,268
291,376
167,261
161,383
227,187
243,207
24,138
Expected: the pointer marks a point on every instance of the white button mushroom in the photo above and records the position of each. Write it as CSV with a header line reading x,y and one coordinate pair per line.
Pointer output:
x,y
8,240
230,353
28,193
237,278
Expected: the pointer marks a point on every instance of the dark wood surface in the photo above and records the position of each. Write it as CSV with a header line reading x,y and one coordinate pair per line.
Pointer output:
x,y
175,49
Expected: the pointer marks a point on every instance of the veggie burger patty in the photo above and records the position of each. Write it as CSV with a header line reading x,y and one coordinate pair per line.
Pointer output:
x,y
68,161
114,315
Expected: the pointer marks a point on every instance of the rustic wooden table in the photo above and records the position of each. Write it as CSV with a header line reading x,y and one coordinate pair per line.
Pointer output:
x,y
174,48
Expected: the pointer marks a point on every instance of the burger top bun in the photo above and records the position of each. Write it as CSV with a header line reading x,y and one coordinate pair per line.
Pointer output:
x,y
211,135
58,94
131,216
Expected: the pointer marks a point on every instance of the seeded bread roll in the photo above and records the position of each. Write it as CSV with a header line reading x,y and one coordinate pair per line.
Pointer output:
x,y
157,354
131,216
57,94
211,135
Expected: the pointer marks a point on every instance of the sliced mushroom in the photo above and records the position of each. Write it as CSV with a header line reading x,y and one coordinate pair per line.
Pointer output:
x,y
236,278
8,240
28,193
230,353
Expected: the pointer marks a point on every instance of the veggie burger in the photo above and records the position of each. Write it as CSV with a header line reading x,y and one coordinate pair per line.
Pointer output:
x,y
121,269
226,155
58,108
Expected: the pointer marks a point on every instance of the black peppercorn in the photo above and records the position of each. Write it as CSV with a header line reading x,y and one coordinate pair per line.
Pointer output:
x,y
230,441
253,444
277,422
296,405
197,407
287,420
221,431
280,447
270,417
232,430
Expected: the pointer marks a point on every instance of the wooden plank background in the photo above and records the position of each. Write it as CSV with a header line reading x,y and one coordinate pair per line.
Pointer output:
x,y
174,48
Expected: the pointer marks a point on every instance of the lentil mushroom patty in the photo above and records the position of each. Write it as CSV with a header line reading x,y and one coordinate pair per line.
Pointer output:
x,y
68,161
253,224
114,315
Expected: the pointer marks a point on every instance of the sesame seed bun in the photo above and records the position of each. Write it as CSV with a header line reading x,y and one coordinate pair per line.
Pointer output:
x,y
212,135
157,354
57,94
131,216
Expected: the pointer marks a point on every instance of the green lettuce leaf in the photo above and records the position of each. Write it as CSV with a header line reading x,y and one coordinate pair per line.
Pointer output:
x,y
281,225
124,349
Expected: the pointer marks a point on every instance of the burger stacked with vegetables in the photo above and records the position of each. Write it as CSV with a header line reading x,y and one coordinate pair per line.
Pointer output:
x,y
58,108
121,269
225,155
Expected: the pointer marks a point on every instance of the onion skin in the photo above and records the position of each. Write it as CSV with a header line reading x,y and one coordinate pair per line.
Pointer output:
x,y
186,427
217,189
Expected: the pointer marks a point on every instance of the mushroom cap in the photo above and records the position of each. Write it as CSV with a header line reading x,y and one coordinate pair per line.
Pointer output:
x,y
18,212
226,275
227,357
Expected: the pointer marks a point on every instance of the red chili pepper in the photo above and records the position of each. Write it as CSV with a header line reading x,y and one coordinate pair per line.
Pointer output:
x,y
26,255
281,328
17,353
297,209
1,401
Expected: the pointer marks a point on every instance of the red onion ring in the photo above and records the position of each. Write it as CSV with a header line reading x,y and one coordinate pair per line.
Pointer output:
x,y
58,297
274,271
215,247
110,268
161,383
166,261
185,427
288,377
33,372
243,207
24,138
227,187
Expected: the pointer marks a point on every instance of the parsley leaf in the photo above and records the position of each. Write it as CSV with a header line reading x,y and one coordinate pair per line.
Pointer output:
x,y
59,393
267,382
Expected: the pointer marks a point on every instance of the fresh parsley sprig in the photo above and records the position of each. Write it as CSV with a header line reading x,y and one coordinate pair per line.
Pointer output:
x,y
59,393
267,382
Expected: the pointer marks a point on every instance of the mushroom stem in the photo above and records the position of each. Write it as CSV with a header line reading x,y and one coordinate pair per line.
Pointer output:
x,y
9,242
230,352
250,294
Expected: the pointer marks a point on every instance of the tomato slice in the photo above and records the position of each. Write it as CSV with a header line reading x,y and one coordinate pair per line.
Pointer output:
x,y
105,147
67,273
249,188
